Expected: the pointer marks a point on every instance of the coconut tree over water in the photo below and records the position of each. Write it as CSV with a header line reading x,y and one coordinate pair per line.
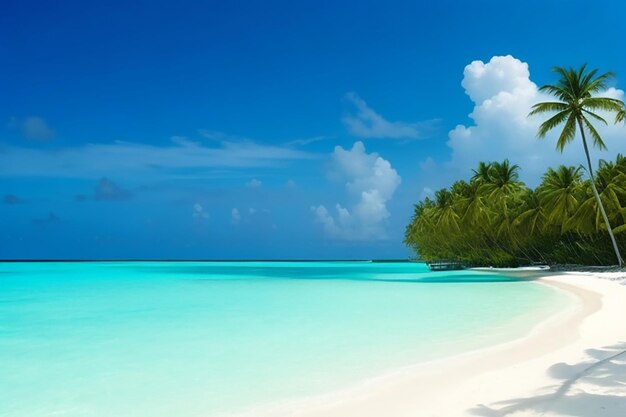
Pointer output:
x,y
576,105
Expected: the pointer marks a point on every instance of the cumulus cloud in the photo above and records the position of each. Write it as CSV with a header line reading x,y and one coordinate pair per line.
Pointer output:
x,y
366,123
183,158
107,190
33,127
503,94
370,182
254,183
235,216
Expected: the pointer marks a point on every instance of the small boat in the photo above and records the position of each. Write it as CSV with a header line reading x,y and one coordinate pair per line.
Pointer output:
x,y
533,268
520,272
445,265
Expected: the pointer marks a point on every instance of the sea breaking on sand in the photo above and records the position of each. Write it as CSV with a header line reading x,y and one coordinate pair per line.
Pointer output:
x,y
572,364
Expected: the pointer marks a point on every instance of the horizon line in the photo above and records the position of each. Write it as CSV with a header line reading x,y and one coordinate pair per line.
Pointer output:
x,y
210,260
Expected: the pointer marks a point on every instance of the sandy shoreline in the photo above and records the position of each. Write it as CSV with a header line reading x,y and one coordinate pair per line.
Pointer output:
x,y
572,364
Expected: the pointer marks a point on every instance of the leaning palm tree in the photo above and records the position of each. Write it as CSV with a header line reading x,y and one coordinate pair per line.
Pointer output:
x,y
577,102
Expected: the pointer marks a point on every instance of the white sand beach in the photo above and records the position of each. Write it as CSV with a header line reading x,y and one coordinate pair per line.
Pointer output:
x,y
573,364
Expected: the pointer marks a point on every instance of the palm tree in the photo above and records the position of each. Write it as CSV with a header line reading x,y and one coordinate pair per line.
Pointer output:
x,y
416,228
446,215
560,193
576,103
472,205
532,227
611,186
502,179
481,174
502,184
532,217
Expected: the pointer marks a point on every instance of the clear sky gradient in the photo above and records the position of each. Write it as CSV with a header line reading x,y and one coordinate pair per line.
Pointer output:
x,y
269,129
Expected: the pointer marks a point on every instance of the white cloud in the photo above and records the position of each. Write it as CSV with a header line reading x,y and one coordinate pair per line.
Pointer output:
x,y
305,141
254,183
33,127
503,95
326,219
218,136
366,123
183,158
199,212
371,182
235,217
427,192
502,74
183,141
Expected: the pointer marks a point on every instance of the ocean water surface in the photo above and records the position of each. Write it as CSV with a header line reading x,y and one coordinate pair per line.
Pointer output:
x,y
199,339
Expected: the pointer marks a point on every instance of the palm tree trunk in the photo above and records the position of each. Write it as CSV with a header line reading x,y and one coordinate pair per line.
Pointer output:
x,y
620,261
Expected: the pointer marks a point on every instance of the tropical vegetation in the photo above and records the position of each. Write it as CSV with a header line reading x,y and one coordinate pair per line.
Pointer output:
x,y
495,219
573,216
577,103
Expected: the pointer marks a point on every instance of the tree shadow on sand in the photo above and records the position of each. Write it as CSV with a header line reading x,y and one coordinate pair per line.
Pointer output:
x,y
593,388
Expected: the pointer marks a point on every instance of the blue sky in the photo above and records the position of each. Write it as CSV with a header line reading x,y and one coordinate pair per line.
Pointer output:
x,y
269,129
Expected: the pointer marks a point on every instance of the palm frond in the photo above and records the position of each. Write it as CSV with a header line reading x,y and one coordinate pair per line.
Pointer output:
x,y
619,229
602,103
568,133
595,116
552,122
548,106
557,91
597,84
569,81
597,140
585,79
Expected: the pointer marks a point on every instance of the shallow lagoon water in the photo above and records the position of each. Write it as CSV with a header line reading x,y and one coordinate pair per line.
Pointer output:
x,y
197,339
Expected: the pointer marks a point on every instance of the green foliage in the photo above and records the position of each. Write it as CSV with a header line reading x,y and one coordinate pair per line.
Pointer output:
x,y
494,219
576,91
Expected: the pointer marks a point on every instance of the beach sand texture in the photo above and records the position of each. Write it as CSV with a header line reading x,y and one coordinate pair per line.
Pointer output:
x,y
573,364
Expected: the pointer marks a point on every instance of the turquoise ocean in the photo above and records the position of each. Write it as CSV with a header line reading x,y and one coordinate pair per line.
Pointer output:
x,y
199,339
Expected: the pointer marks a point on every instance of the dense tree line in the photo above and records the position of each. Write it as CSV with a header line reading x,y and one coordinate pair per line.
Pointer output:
x,y
494,219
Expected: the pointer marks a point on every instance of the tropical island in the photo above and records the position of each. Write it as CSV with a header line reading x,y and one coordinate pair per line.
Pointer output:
x,y
204,209
575,216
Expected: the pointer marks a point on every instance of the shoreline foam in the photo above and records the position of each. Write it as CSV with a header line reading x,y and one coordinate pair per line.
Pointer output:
x,y
530,376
